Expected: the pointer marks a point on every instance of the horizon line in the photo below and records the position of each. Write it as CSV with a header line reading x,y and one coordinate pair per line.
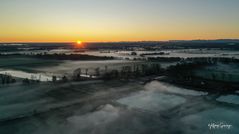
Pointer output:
x,y
7,42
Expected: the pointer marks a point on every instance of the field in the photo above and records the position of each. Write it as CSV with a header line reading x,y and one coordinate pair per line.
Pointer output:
x,y
106,107
25,63
25,67
112,106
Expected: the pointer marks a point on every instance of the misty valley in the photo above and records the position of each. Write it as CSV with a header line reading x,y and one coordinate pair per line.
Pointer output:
x,y
141,87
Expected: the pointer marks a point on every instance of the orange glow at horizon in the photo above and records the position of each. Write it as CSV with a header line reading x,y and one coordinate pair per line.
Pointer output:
x,y
79,44
105,21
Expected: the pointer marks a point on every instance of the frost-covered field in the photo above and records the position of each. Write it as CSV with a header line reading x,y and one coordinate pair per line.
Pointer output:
x,y
25,67
183,53
113,107
110,107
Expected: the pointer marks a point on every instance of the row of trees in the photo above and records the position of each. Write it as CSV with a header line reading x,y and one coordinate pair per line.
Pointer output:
x,y
135,71
184,70
71,57
125,72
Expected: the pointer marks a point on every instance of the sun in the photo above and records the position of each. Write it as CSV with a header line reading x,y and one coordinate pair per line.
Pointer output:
x,y
79,42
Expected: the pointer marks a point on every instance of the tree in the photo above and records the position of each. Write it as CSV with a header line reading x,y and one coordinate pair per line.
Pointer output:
x,y
137,71
86,71
64,79
54,78
97,71
106,68
114,74
77,74
144,69
126,72
26,81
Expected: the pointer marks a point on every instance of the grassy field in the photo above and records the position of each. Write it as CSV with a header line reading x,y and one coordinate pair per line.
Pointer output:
x,y
24,63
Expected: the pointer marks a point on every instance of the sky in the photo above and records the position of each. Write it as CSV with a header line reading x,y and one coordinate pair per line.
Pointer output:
x,y
117,20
